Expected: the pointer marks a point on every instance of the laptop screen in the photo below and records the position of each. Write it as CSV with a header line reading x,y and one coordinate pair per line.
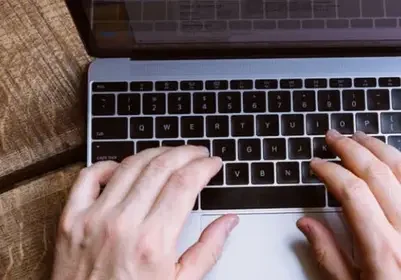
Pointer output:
x,y
142,24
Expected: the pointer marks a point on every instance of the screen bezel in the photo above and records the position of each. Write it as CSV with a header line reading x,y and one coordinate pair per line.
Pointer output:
x,y
76,8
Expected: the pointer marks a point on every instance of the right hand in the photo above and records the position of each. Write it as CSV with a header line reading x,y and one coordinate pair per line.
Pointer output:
x,y
369,190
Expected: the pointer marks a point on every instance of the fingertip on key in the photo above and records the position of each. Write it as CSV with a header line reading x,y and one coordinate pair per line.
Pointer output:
x,y
359,135
333,134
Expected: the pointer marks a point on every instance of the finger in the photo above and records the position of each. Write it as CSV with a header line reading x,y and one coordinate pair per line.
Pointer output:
x,y
364,214
378,176
125,176
154,177
185,184
386,153
331,259
198,260
87,187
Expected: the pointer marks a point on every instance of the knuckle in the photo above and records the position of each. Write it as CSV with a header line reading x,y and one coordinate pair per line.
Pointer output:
x,y
321,256
115,227
181,179
353,188
148,251
65,227
128,162
377,170
159,164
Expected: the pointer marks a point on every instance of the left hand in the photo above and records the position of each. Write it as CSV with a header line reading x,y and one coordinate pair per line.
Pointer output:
x,y
130,231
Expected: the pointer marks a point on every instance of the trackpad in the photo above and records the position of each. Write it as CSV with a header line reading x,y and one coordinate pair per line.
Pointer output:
x,y
270,246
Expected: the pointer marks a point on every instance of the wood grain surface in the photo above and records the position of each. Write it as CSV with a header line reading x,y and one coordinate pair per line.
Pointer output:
x,y
28,224
42,65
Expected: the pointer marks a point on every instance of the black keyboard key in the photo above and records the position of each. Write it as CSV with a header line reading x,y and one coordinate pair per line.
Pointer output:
x,y
254,101
292,124
365,82
225,149
241,84
367,122
192,127
299,148
262,173
179,103
218,179
274,149
167,85
396,99
167,127
144,145
216,85
378,99
343,123
204,102
237,174
279,101
263,198
173,143
329,100
267,125
291,83
395,141
141,128
217,126
116,151
266,84
304,100
353,100
103,104
129,104
316,83
110,87
154,103
390,82
317,124
141,86
287,172
341,83
249,149
308,176
391,123
230,102
204,143
109,128
242,125
332,202
191,85
321,149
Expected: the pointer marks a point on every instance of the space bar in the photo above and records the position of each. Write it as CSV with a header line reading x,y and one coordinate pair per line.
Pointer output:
x,y
263,197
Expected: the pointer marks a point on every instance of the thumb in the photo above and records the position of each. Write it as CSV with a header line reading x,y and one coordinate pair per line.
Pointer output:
x,y
333,262
199,259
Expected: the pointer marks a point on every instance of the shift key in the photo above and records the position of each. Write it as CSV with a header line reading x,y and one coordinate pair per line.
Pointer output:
x,y
115,151
109,128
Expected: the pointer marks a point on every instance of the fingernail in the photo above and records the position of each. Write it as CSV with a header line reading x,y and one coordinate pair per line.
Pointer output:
x,y
317,160
205,150
305,229
218,159
333,134
359,135
232,223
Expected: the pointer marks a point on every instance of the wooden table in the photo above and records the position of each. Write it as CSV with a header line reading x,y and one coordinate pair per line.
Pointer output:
x,y
42,129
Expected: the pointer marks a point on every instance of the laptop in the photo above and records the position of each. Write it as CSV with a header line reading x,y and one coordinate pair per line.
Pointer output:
x,y
258,82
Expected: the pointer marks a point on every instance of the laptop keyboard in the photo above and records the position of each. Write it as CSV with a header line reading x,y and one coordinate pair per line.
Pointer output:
x,y
266,130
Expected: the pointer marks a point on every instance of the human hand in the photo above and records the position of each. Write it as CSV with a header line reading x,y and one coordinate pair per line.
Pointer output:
x,y
369,190
130,231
